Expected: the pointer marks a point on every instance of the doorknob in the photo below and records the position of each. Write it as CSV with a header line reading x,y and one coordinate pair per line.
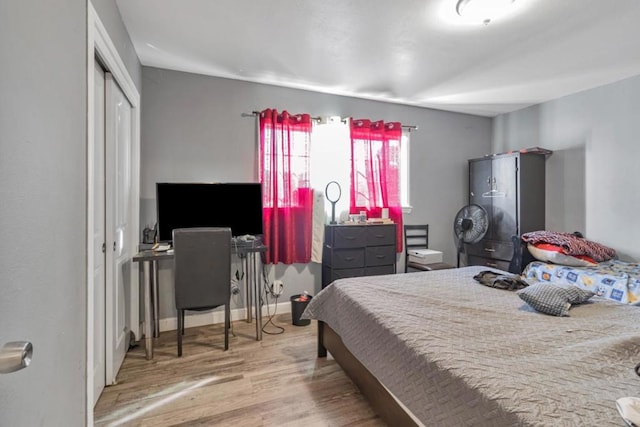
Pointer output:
x,y
15,356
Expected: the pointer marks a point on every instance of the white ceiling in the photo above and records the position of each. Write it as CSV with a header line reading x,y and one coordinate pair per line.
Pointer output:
x,y
411,52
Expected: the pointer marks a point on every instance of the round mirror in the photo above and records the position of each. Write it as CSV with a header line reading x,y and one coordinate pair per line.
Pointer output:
x,y
333,192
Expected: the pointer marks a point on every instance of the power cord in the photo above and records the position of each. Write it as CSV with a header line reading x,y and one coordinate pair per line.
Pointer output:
x,y
280,329
270,316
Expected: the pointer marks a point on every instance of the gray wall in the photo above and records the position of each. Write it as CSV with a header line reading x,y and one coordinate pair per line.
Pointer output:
x,y
110,18
192,130
42,210
43,118
593,183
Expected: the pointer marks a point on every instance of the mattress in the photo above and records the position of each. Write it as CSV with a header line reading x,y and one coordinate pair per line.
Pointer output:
x,y
455,352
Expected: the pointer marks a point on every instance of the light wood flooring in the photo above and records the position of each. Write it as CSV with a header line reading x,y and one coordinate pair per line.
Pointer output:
x,y
278,381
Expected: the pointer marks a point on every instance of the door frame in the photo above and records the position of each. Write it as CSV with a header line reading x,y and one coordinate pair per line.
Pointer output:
x,y
100,44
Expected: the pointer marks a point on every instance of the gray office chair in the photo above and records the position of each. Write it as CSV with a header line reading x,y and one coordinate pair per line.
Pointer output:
x,y
417,237
202,273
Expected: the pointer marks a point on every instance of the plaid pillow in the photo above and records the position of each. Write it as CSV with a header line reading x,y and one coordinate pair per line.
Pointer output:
x,y
552,299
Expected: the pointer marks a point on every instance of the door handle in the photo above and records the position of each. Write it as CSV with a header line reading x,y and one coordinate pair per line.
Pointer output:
x,y
15,356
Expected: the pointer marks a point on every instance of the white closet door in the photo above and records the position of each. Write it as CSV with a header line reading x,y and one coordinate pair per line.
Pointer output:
x,y
118,218
97,262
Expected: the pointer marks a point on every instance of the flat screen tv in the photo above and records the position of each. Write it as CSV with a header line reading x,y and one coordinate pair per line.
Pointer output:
x,y
186,205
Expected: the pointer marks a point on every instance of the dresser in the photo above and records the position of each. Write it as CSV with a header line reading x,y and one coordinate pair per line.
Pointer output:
x,y
358,250
511,188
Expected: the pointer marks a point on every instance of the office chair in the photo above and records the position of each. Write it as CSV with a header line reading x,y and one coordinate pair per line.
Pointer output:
x,y
417,237
202,273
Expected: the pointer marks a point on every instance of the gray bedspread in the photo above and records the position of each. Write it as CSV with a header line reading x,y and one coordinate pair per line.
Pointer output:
x,y
459,353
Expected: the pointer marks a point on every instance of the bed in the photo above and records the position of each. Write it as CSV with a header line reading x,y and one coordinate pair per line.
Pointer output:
x,y
438,348
607,276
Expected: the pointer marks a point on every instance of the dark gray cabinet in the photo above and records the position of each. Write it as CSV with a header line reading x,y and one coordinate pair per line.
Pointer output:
x,y
511,188
358,250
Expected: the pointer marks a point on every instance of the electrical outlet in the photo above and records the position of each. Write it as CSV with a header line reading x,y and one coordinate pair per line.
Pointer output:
x,y
276,288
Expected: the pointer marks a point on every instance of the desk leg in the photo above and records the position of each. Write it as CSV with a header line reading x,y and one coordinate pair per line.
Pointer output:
x,y
156,305
258,294
247,287
148,333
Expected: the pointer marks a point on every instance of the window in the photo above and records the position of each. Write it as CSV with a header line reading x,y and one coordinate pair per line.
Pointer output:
x,y
331,161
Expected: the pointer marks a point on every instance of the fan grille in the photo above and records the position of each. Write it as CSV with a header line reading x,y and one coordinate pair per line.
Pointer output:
x,y
471,224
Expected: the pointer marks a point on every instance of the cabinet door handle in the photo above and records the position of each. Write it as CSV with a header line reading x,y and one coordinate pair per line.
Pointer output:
x,y
349,258
489,249
492,264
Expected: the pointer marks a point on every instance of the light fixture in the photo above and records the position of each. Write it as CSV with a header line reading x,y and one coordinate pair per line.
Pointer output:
x,y
483,11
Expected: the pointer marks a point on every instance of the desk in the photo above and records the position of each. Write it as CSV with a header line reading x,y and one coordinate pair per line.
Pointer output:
x,y
149,260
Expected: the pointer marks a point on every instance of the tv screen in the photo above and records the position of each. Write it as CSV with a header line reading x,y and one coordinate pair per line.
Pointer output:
x,y
186,205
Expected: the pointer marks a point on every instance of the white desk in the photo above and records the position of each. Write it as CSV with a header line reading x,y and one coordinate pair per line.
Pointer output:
x,y
149,260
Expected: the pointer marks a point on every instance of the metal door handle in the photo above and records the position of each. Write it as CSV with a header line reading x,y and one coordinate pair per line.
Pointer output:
x,y
15,356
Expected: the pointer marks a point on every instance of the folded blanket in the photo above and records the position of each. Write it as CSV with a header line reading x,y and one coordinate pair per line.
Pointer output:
x,y
571,244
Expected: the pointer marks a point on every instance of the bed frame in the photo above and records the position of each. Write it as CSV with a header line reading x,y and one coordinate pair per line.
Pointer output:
x,y
382,401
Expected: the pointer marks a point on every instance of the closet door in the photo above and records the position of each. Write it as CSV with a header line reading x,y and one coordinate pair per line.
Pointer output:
x,y
480,185
118,216
504,217
97,223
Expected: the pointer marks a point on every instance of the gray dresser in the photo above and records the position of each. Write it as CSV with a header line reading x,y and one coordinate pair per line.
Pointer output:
x,y
511,188
358,250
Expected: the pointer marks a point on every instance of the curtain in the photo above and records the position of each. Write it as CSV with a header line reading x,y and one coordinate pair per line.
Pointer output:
x,y
375,171
286,193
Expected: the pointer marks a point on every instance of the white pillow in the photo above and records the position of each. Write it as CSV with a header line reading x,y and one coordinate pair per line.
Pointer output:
x,y
556,257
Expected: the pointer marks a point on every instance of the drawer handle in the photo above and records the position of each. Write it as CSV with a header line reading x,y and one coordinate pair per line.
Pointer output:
x,y
492,264
379,236
489,249
349,258
350,238
380,256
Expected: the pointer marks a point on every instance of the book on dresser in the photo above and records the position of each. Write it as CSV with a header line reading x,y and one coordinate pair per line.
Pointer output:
x,y
358,250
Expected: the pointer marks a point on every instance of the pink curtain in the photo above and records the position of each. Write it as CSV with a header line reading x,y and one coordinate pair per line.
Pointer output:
x,y
375,172
286,193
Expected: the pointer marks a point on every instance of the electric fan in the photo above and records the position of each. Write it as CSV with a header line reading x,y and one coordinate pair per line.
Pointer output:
x,y
470,226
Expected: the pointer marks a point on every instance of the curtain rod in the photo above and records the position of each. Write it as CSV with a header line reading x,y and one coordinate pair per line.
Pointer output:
x,y
317,119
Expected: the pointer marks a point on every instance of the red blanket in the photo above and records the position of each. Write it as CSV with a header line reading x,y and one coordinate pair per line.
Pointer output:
x,y
571,245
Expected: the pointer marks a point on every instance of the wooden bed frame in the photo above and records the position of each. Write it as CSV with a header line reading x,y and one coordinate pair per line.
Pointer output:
x,y
382,401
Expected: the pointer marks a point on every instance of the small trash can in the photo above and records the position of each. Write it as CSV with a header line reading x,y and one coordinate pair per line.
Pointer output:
x,y
298,304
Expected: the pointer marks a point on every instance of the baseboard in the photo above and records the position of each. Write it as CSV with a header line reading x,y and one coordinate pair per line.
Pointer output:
x,y
193,319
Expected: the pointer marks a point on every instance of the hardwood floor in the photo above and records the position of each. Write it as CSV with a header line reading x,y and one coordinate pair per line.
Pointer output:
x,y
278,381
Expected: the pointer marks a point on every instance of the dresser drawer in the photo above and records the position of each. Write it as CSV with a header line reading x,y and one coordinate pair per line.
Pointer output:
x,y
351,236
491,249
380,255
345,258
380,270
331,274
488,262
381,235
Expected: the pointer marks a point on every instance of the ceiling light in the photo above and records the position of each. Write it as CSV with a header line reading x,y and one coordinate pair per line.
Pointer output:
x,y
483,11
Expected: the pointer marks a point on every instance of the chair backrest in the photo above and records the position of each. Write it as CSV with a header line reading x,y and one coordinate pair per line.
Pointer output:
x,y
416,237
202,267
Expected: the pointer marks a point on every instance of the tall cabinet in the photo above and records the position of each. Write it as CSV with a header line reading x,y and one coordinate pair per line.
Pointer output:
x,y
511,188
